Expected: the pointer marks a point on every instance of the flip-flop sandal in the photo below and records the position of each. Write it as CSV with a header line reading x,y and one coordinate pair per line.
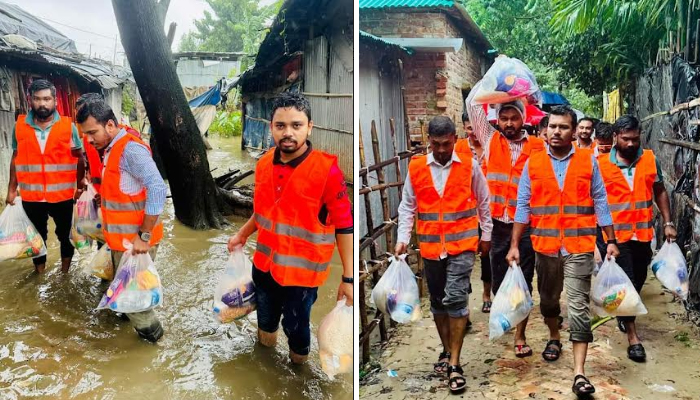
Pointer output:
x,y
579,388
552,351
637,353
441,367
486,307
457,383
519,350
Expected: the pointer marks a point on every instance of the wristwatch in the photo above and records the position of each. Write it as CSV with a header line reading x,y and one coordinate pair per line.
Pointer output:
x,y
145,236
612,241
670,223
349,280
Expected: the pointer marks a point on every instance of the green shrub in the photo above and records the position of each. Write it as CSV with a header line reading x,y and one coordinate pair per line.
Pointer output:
x,y
227,124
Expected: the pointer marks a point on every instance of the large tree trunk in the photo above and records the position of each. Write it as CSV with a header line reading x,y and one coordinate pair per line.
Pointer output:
x,y
180,145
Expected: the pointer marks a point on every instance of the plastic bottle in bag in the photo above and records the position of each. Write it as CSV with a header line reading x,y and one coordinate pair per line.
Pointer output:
x,y
511,305
396,293
613,294
81,243
88,216
234,296
335,340
670,269
18,236
132,301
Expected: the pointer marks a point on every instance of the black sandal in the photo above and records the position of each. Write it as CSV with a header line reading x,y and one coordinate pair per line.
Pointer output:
x,y
442,366
486,307
637,353
579,387
552,350
460,381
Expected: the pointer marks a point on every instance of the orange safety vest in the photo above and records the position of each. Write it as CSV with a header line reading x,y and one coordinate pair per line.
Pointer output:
x,y
562,216
122,213
449,222
95,161
50,176
503,177
593,145
631,210
293,245
462,146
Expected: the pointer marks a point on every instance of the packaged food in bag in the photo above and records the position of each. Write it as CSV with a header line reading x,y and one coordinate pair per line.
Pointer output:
x,y
335,340
396,294
136,286
81,243
18,236
508,79
613,294
87,216
670,269
511,305
101,264
234,296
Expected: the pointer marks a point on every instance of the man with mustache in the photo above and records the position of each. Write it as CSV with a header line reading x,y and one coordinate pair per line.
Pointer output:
x,y
46,166
634,181
584,134
300,211
506,150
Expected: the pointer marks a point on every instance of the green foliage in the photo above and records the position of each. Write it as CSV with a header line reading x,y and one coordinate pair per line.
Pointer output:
x,y
227,124
127,102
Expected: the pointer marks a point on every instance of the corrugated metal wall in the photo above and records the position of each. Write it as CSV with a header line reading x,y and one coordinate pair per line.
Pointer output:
x,y
328,68
204,72
7,122
380,100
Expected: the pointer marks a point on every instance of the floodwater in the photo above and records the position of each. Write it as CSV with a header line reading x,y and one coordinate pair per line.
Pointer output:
x,y
53,344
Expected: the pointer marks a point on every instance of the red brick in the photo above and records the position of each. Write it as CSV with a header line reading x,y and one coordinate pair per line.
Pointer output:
x,y
441,92
442,104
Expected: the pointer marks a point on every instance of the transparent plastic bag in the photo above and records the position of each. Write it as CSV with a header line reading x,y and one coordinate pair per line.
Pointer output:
x,y
511,305
234,296
396,294
508,79
87,216
101,264
18,236
136,286
670,269
81,243
335,340
613,294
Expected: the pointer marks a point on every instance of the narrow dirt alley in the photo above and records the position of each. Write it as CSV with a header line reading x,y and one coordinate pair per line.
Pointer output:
x,y
672,370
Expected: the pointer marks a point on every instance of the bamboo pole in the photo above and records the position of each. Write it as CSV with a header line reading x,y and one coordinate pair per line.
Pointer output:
x,y
377,187
399,178
363,320
381,181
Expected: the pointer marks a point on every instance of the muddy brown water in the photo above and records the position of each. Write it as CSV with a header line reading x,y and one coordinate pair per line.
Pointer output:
x,y
53,344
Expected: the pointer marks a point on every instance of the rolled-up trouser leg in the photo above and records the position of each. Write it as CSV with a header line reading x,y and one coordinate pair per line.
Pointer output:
x,y
577,281
145,323
550,283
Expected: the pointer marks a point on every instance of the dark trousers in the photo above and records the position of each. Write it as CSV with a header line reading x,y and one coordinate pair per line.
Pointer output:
x,y
62,214
500,244
634,259
485,266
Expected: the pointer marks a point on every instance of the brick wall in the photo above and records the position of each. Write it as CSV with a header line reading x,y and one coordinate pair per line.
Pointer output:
x,y
433,81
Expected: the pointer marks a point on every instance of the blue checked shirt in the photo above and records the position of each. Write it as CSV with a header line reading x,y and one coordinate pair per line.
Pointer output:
x,y
138,170
598,193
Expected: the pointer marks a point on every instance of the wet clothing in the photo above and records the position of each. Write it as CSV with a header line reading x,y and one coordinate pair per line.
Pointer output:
x,y
448,283
62,214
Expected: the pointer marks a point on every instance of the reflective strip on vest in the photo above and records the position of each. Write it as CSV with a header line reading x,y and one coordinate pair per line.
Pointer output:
x,y
298,262
263,249
429,216
97,181
456,216
545,210
574,232
122,228
301,233
619,206
581,210
644,225
116,206
262,221
545,232
429,238
513,202
60,167
497,176
515,180
450,237
623,227
57,187
497,199
31,187
643,204
28,167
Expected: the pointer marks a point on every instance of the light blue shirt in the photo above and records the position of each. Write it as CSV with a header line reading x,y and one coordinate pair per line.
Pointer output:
x,y
560,167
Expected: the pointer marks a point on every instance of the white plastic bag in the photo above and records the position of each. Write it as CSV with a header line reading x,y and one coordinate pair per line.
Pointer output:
x,y
396,294
87,216
613,294
508,79
101,264
234,296
670,269
512,303
136,286
81,243
335,340
18,236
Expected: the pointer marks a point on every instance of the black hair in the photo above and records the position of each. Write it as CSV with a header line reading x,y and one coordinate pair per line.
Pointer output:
x,y
441,126
465,117
591,120
604,131
98,109
289,99
626,123
41,84
544,122
563,111
88,97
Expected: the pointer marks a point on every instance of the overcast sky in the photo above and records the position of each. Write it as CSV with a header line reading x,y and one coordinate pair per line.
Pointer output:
x,y
91,23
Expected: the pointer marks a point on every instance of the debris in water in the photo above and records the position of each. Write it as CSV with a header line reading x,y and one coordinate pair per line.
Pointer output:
x,y
661,388
392,373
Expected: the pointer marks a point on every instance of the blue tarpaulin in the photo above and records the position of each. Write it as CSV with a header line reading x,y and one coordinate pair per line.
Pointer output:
x,y
211,97
551,98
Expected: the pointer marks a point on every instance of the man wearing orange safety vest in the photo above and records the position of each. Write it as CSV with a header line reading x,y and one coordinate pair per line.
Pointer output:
x,y
448,195
584,134
301,211
133,195
46,166
634,181
561,194
506,151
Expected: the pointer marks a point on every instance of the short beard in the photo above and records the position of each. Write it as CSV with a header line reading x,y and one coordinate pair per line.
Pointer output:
x,y
41,114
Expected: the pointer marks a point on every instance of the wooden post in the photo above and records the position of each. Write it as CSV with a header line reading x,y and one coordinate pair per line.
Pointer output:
x,y
381,181
399,178
363,318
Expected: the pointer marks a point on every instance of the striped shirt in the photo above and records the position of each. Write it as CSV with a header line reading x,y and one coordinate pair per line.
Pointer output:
x,y
138,170
485,132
